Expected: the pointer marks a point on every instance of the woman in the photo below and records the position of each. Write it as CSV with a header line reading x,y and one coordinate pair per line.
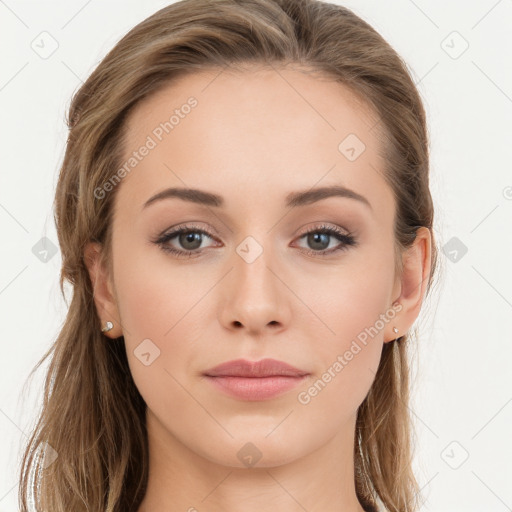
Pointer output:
x,y
244,215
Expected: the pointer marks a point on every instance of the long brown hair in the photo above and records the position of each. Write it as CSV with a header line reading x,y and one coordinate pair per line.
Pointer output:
x,y
93,417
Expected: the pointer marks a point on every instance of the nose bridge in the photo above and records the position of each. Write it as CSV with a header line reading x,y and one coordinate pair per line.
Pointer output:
x,y
255,294
252,275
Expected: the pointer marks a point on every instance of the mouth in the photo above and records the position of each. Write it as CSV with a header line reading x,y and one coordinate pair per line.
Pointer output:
x,y
259,380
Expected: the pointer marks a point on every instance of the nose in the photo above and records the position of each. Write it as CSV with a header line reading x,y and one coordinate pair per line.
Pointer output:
x,y
253,297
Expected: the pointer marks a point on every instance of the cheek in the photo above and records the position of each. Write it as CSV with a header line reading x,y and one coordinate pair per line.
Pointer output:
x,y
350,301
347,364
356,309
159,308
153,296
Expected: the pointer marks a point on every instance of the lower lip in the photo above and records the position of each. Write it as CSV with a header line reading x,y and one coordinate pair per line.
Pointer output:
x,y
255,388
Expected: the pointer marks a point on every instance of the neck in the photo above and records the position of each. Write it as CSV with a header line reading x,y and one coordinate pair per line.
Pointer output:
x,y
182,480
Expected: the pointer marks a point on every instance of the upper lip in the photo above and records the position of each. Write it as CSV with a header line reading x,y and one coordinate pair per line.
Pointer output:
x,y
262,368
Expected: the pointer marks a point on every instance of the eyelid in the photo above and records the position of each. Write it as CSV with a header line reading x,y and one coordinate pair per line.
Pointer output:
x,y
324,225
188,226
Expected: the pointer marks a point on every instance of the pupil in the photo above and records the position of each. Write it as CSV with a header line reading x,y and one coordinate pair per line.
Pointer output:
x,y
319,240
190,237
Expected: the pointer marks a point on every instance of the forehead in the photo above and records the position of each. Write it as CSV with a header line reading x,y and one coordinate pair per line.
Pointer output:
x,y
253,131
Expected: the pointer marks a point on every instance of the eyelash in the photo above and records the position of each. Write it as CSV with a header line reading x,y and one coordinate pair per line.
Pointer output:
x,y
346,240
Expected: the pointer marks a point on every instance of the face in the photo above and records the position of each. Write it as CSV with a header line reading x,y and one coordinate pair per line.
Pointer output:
x,y
259,272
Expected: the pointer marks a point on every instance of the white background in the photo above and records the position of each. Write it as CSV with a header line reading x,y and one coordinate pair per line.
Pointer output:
x,y
463,387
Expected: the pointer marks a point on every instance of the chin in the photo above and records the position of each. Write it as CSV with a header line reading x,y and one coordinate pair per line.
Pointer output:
x,y
254,449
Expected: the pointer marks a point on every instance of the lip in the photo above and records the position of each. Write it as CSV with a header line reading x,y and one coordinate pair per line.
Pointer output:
x,y
261,368
255,380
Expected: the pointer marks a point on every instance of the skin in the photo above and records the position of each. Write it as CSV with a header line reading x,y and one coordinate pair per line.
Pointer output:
x,y
255,136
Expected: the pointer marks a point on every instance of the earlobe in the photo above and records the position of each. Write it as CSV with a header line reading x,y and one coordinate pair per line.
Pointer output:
x,y
106,306
414,280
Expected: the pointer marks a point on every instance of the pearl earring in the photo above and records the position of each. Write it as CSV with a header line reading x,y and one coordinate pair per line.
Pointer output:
x,y
108,327
395,330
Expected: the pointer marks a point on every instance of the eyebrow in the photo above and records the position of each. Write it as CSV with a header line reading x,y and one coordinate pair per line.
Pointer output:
x,y
293,199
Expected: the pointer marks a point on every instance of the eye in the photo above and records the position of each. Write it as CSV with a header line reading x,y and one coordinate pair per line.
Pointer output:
x,y
189,238
320,238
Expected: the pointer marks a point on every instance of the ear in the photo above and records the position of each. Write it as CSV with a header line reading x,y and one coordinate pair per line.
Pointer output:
x,y
106,305
413,284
